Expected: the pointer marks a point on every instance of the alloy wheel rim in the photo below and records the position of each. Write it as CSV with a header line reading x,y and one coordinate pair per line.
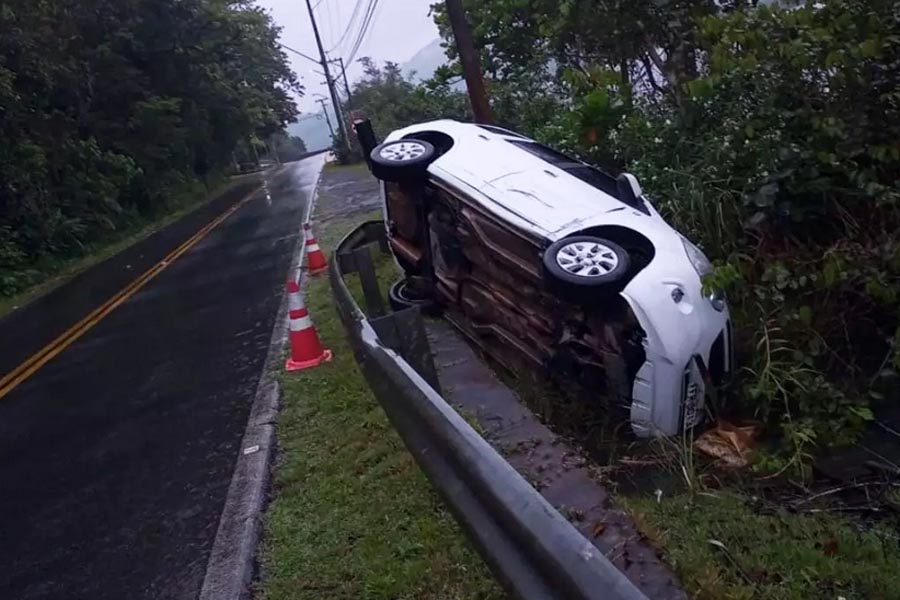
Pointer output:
x,y
402,151
587,259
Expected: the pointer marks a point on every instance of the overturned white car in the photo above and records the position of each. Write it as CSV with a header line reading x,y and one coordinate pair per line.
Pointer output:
x,y
544,259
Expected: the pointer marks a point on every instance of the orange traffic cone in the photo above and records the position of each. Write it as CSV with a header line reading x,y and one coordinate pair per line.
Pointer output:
x,y
315,258
306,349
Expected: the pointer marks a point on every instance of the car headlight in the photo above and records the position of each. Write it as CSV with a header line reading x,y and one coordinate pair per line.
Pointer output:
x,y
698,259
717,299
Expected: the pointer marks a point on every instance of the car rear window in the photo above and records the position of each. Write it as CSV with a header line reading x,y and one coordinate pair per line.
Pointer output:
x,y
583,171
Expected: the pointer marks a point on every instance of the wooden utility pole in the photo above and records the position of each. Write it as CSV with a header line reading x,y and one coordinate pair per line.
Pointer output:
x,y
322,102
344,75
465,46
334,99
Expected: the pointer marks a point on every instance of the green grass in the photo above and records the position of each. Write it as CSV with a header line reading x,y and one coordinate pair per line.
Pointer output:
x,y
52,272
335,166
352,515
769,553
723,546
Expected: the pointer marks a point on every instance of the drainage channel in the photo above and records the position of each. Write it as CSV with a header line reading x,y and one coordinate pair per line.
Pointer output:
x,y
553,466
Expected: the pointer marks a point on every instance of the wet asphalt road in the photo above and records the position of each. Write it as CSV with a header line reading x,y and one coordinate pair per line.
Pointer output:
x,y
115,457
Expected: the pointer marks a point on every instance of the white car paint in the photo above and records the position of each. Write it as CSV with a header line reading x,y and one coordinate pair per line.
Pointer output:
x,y
549,204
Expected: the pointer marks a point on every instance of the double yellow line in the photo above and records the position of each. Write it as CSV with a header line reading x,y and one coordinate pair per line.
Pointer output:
x,y
37,360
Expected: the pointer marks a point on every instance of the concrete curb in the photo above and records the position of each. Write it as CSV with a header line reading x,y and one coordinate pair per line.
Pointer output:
x,y
232,561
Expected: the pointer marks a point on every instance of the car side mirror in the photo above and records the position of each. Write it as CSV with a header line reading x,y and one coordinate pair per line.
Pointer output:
x,y
629,189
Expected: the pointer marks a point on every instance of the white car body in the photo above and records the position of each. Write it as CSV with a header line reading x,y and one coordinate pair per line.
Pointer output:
x,y
546,202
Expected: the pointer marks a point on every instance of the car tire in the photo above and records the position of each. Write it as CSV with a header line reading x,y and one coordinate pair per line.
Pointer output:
x,y
402,161
401,297
584,266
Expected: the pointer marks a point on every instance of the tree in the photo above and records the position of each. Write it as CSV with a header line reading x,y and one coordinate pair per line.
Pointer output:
x,y
767,134
288,148
107,105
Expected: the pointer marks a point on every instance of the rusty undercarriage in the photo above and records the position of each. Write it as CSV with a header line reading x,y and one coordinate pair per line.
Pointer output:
x,y
488,280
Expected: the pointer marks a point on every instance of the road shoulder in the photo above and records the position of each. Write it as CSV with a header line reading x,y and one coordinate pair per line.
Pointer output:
x,y
351,514
232,562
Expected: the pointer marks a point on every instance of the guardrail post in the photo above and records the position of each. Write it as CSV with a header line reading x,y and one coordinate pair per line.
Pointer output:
x,y
362,258
404,333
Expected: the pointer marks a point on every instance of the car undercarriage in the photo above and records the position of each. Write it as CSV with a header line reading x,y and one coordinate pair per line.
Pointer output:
x,y
488,280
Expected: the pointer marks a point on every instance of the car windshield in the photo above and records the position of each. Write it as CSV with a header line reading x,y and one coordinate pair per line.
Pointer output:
x,y
583,171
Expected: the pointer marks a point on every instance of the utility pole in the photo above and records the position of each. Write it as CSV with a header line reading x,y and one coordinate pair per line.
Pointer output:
x,y
344,75
325,110
334,99
465,45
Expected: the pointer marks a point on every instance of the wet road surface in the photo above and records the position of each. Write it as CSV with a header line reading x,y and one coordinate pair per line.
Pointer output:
x,y
115,457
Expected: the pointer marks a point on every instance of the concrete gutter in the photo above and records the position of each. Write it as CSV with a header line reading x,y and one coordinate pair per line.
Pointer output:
x,y
232,561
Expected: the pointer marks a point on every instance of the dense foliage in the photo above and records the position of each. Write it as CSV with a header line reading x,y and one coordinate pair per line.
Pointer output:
x,y
288,148
109,106
770,135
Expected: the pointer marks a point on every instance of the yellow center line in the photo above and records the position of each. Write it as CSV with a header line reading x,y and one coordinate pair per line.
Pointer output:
x,y
37,360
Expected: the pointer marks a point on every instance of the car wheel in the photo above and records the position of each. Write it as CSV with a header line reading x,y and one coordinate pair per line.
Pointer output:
x,y
582,266
402,296
402,161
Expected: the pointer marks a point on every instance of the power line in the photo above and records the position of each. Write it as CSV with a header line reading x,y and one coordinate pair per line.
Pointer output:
x,y
349,27
364,29
367,20
306,56
329,18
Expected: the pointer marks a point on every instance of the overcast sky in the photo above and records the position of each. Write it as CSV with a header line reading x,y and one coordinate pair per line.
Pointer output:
x,y
399,29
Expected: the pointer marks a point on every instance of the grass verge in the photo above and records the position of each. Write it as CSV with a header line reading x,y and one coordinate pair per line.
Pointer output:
x,y
52,272
352,515
724,543
361,166
725,546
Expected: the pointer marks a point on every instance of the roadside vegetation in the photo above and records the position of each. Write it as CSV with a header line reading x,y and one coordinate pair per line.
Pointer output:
x,y
768,134
48,272
116,113
352,515
726,546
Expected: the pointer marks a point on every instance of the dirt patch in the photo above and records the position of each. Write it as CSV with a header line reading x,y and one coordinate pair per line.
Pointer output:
x,y
345,192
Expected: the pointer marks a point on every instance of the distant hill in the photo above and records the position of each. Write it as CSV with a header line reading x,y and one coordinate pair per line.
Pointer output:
x,y
425,62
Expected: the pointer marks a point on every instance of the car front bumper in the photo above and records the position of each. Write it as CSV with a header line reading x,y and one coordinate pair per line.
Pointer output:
x,y
687,347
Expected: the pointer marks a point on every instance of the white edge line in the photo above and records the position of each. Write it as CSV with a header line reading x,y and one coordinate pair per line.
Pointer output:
x,y
231,566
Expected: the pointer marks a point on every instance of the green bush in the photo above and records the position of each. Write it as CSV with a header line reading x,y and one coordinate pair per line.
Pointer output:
x,y
782,160
770,135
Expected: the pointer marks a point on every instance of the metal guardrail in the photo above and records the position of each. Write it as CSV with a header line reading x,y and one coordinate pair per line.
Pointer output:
x,y
530,547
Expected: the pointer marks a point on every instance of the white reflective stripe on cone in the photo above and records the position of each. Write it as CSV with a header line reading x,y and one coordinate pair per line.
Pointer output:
x,y
312,248
295,302
301,323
